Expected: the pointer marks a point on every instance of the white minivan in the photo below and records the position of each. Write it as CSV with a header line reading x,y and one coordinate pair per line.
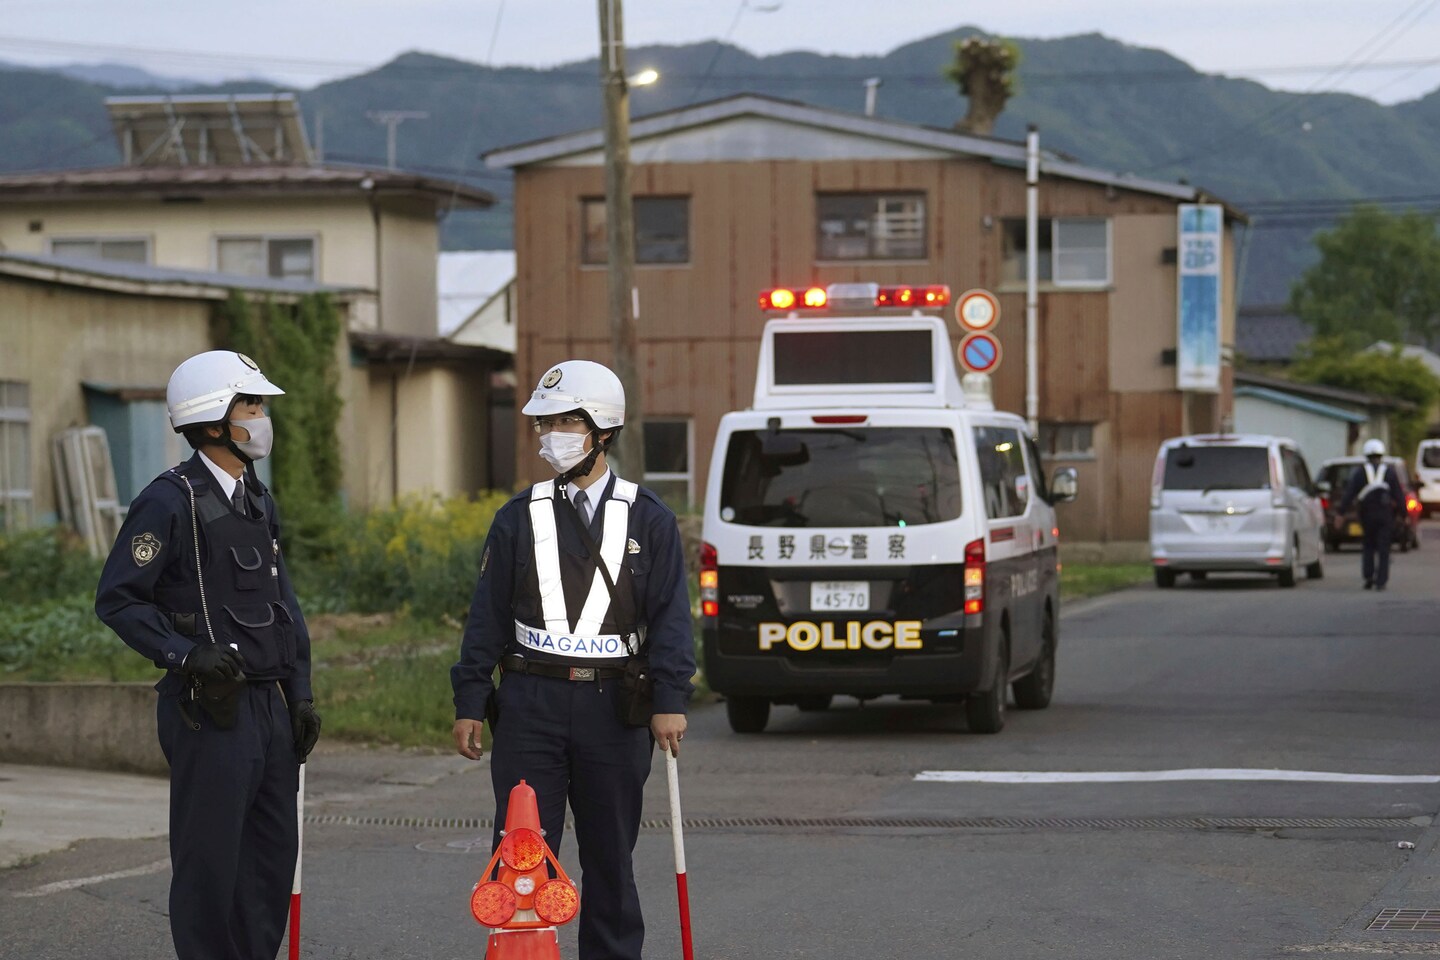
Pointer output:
x,y
1427,475
872,528
1228,502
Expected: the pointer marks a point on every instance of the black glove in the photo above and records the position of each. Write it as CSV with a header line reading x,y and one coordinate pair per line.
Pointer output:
x,y
305,724
211,663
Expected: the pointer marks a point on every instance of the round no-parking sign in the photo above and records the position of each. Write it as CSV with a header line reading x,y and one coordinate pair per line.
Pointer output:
x,y
979,352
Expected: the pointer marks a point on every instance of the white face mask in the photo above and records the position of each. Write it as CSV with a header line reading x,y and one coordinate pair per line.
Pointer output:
x,y
562,450
262,437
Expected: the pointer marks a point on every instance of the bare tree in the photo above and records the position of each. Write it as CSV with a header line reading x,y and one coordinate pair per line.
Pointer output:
x,y
985,72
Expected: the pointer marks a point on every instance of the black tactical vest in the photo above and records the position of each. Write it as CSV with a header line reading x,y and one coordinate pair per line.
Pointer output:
x,y
241,566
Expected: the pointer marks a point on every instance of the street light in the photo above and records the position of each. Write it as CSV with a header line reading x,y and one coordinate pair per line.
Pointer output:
x,y
644,78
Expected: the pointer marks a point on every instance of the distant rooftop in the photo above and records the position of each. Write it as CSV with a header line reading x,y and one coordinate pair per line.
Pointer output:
x,y
123,276
466,280
194,182
1269,334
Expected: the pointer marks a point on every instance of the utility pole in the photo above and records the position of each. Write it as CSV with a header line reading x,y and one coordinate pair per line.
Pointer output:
x,y
1032,272
391,119
624,297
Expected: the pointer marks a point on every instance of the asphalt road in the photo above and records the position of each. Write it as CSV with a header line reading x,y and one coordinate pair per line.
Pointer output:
x,y
860,859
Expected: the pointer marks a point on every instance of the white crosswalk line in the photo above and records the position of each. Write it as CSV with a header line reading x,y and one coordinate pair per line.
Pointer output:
x,y
1161,776
60,886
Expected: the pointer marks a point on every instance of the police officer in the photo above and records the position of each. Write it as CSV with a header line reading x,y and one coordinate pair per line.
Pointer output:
x,y
1376,487
544,611
196,584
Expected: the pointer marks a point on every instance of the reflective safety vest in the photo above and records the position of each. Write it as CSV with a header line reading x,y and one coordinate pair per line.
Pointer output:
x,y
584,637
1375,480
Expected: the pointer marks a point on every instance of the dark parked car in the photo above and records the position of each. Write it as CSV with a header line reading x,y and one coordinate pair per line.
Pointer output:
x,y
1334,477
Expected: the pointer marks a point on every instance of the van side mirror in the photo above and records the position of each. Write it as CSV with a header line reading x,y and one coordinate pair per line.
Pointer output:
x,y
1064,485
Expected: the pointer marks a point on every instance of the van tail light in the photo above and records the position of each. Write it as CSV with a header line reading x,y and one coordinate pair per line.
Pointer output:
x,y
1277,482
1412,505
975,576
709,581
1324,503
1157,480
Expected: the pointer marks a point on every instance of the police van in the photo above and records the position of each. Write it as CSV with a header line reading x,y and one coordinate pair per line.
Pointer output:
x,y
872,526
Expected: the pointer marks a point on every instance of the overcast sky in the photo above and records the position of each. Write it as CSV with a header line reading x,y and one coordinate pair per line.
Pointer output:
x,y
1388,50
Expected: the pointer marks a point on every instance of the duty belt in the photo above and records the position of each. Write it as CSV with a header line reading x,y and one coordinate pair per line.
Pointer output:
x,y
514,663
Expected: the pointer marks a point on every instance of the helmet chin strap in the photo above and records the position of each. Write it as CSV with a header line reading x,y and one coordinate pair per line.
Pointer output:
x,y
228,442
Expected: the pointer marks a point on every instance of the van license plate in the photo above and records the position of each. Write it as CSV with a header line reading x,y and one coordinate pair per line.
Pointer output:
x,y
1355,530
840,595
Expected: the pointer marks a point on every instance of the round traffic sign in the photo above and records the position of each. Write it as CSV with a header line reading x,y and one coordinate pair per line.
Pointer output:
x,y
979,352
977,310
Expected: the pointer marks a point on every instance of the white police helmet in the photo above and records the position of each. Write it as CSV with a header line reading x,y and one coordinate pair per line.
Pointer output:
x,y
579,385
1374,448
202,388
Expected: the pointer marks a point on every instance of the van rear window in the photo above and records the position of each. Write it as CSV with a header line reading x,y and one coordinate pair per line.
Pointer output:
x,y
841,477
1430,457
1217,468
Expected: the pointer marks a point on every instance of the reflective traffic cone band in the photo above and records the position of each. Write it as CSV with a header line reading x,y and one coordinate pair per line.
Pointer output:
x,y
523,904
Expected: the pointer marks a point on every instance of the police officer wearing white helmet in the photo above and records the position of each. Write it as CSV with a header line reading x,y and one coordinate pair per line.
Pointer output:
x,y
565,632
1376,488
196,583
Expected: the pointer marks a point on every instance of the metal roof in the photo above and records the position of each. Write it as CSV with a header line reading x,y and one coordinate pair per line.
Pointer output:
x,y
1007,152
1301,403
252,181
122,276
1319,391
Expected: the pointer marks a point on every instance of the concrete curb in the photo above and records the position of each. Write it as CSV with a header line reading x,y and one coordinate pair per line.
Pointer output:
x,y
95,726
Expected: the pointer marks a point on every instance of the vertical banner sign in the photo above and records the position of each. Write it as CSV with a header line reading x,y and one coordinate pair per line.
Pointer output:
x,y
1201,241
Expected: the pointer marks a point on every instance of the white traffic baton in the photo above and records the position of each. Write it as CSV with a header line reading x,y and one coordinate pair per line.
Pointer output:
x,y
672,774
299,855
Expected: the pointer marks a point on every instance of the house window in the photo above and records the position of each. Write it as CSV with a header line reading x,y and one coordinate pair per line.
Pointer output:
x,y
1071,252
668,461
128,249
870,226
17,500
288,258
662,230
1067,441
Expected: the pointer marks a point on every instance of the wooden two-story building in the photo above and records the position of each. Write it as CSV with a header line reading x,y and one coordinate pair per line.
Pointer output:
x,y
747,193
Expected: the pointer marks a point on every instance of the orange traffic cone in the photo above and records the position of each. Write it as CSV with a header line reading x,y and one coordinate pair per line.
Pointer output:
x,y
524,904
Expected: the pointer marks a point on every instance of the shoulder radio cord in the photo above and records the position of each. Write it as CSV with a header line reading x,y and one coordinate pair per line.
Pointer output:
x,y
199,563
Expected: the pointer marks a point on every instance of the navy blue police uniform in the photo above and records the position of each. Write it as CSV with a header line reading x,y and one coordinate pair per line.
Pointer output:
x,y
233,830
1380,502
558,724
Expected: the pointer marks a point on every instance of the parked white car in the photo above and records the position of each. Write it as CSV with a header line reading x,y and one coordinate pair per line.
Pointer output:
x,y
1427,475
1227,502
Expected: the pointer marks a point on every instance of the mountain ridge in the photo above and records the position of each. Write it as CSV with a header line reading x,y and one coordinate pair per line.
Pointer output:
x,y
1114,106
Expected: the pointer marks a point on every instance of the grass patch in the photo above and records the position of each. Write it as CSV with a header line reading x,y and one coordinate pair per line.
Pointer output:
x,y
402,700
1079,580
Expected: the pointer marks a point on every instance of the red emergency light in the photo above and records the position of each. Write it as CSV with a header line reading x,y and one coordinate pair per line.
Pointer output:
x,y
819,298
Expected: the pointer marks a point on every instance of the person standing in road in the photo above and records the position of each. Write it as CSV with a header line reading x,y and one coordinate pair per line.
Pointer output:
x,y
565,631
196,583
1376,488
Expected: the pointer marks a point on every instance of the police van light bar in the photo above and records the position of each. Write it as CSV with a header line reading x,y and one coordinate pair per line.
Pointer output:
x,y
855,296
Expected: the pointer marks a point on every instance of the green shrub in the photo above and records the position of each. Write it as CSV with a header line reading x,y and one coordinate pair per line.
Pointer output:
x,y
421,556
44,563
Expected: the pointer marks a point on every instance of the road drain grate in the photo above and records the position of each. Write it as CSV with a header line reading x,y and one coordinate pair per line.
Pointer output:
x,y
1400,918
921,823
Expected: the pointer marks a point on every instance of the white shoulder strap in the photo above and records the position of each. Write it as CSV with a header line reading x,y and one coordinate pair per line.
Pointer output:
x,y
1375,477
547,557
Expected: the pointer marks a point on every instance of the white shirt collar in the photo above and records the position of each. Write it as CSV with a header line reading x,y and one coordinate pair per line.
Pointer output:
x,y
593,493
227,483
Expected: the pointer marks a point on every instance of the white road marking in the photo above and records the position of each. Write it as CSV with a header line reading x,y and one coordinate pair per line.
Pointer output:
x,y
60,886
1158,776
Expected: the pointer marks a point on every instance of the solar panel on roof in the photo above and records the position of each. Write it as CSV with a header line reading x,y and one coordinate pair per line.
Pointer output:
x,y
202,130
